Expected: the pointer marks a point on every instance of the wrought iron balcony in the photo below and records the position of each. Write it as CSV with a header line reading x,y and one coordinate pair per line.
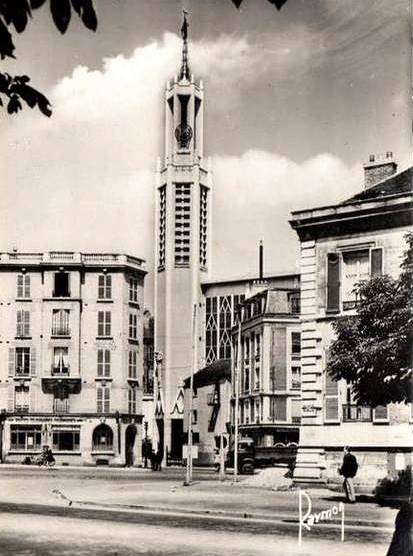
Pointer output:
x,y
22,408
360,413
60,331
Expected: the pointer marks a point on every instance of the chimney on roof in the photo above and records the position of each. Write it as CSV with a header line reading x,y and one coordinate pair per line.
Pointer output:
x,y
378,168
261,261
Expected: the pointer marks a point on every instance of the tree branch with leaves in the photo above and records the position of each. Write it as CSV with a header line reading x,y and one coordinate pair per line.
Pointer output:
x,y
15,15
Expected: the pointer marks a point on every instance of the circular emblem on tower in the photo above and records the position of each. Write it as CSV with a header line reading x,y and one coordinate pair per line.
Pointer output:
x,y
183,134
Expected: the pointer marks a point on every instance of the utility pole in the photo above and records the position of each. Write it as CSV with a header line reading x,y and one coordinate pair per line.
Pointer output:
x,y
191,404
237,369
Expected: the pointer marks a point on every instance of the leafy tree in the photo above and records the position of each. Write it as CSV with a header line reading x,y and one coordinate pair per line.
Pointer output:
x,y
373,349
14,17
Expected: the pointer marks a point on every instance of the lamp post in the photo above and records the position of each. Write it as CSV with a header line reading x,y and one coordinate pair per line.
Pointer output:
x,y
145,426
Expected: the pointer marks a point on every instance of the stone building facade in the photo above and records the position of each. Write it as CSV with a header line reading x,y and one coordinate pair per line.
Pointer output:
x,y
71,356
341,245
268,367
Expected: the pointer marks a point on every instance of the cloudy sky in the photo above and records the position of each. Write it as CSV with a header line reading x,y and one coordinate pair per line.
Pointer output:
x,y
295,101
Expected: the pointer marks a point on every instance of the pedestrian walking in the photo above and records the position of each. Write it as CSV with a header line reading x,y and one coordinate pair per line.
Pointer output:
x,y
348,470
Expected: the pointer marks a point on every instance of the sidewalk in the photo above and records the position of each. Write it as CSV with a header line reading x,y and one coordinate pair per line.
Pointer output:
x,y
141,489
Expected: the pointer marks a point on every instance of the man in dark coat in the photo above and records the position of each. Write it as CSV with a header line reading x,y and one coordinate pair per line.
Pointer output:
x,y
348,470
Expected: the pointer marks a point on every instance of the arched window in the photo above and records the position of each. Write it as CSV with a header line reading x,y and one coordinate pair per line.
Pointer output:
x,y
102,438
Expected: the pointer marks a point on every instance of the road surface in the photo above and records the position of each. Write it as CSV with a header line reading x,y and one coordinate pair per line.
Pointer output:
x,y
124,512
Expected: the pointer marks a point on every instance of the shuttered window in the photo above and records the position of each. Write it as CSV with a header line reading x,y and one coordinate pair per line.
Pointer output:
x,y
376,262
103,399
23,286
103,363
104,323
23,323
104,286
333,282
331,398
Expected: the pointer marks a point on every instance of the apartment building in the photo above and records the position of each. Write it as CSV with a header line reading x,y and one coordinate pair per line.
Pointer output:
x,y
71,349
267,372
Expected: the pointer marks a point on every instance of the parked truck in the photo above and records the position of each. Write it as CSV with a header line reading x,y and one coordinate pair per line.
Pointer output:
x,y
251,457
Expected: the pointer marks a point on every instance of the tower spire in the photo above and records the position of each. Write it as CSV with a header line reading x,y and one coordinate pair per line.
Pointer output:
x,y
184,73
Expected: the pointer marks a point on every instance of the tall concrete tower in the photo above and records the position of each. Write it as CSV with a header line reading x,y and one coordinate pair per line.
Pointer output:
x,y
183,201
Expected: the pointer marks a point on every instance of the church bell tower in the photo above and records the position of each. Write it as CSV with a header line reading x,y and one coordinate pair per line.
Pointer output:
x,y
183,201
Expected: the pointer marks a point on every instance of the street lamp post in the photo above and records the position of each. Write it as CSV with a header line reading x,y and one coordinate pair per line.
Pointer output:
x,y
145,426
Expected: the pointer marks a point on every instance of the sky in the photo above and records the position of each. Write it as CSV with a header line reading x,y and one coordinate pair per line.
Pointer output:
x,y
295,101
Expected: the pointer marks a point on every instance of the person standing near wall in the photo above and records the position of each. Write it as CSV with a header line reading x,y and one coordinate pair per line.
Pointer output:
x,y
348,470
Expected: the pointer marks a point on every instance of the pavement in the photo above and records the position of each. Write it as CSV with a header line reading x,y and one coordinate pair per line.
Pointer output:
x,y
147,499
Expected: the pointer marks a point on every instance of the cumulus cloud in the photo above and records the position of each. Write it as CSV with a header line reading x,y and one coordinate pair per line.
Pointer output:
x,y
254,195
91,167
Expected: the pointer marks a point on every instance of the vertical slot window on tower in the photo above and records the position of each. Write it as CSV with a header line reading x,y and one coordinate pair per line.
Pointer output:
x,y
182,223
203,226
162,226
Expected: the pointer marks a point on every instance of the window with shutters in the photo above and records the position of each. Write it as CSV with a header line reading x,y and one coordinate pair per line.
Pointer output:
x,y
132,367
133,290
104,286
103,399
22,398
103,362
104,324
355,269
23,286
133,326
25,437
331,397
22,361
346,269
132,400
60,322
23,324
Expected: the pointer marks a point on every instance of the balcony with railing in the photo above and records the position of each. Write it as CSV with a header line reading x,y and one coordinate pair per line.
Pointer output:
x,y
357,413
61,331
22,408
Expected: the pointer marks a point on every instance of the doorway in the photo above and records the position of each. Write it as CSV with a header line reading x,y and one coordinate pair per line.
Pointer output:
x,y
130,437
177,432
